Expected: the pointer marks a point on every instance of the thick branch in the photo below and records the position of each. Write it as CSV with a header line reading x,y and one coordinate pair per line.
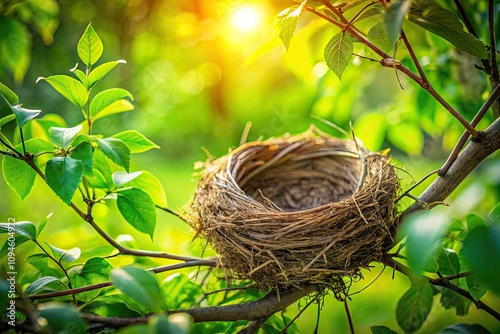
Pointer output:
x,y
476,151
254,310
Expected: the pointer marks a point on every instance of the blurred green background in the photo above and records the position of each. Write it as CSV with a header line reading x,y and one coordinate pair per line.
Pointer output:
x,y
199,71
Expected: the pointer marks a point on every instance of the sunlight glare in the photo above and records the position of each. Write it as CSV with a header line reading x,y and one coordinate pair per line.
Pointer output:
x,y
246,19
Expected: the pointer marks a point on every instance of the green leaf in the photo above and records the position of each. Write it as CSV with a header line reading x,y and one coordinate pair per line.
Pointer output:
x,y
19,176
84,153
476,288
422,231
6,119
138,210
63,174
378,35
106,98
61,255
72,89
138,284
414,307
286,22
448,262
116,305
494,216
450,299
152,186
8,246
136,142
41,262
24,228
8,95
115,108
121,178
432,17
464,329
393,19
100,71
43,223
81,76
481,248
338,53
179,292
63,137
62,318
178,323
382,330
39,284
96,270
23,115
102,172
15,43
474,221
90,46
116,150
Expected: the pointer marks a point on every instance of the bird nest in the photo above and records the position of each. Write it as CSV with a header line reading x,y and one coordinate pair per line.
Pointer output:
x,y
299,209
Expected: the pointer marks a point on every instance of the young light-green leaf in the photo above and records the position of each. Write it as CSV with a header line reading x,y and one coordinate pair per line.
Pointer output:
x,y
115,108
286,22
8,95
69,255
121,178
62,137
63,174
414,307
138,284
72,89
136,142
106,98
24,228
101,171
152,186
382,330
82,77
90,46
138,210
338,53
116,150
19,176
439,21
394,17
100,71
7,246
84,153
23,115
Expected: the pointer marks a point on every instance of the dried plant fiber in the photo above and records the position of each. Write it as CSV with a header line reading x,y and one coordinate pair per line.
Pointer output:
x,y
297,209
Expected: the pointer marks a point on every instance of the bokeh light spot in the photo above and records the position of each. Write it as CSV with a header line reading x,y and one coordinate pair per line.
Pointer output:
x,y
246,19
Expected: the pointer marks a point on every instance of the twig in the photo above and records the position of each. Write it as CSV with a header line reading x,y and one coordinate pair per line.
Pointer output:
x,y
463,139
493,50
254,326
444,282
201,262
414,58
283,331
406,193
171,211
465,18
19,154
349,318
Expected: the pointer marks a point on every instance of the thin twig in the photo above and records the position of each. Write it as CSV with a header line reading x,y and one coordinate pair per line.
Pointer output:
x,y
19,154
493,50
201,262
495,94
444,282
406,193
349,318
465,18
414,58
254,326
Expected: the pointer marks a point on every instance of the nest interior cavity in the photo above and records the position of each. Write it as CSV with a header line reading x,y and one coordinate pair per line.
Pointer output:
x,y
303,209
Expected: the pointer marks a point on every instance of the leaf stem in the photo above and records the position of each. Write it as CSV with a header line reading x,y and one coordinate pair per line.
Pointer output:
x,y
19,154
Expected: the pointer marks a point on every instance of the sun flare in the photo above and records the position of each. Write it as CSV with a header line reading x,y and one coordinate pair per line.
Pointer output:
x,y
246,19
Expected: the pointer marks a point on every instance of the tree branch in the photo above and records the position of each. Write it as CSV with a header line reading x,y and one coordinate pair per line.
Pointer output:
x,y
442,281
476,151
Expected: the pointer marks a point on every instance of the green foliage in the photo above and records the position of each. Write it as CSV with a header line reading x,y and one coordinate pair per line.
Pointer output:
x,y
394,17
63,174
138,209
73,90
90,47
338,53
286,22
381,330
62,318
116,151
138,285
414,307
